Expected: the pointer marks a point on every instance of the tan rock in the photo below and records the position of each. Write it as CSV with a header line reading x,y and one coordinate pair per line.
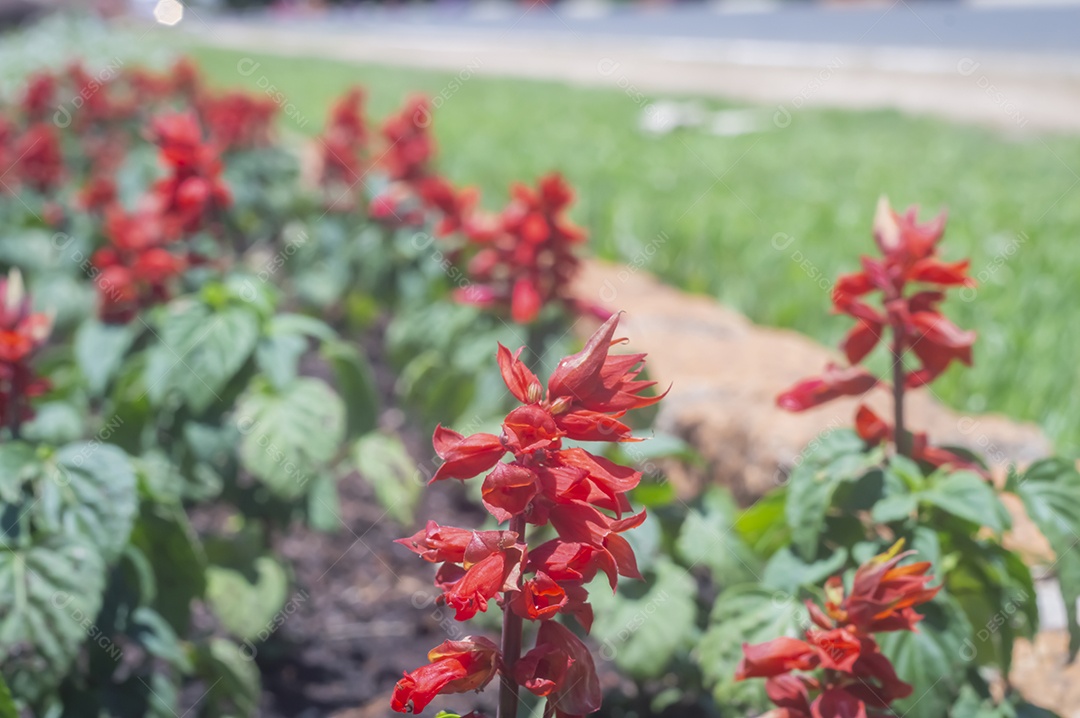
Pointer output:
x,y
1043,676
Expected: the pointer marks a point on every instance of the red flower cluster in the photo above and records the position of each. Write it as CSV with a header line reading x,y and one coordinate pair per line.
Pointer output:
x,y
854,678
135,270
410,144
344,142
413,185
581,496
525,257
237,121
909,314
22,332
39,96
193,191
40,158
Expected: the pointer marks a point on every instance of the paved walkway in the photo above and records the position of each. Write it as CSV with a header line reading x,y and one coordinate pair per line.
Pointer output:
x,y
1012,92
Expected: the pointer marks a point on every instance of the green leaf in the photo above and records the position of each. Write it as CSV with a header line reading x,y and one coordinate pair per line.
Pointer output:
x,y
199,351
100,350
907,471
788,572
90,493
54,423
289,436
763,526
898,507
934,659
356,384
278,357
968,496
831,460
7,703
324,504
159,639
1050,491
303,325
745,614
247,600
164,535
386,465
644,631
708,538
19,463
52,593
232,677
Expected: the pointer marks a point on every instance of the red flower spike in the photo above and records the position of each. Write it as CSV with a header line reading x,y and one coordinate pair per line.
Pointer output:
x,y
455,667
524,258
910,279
583,497
852,675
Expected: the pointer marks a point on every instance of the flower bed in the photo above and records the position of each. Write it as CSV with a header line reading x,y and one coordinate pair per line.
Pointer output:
x,y
205,360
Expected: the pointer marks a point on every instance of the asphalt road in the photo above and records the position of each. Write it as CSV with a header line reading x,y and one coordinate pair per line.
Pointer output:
x,y
1053,30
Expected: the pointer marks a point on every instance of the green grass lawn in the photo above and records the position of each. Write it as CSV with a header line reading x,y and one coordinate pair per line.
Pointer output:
x,y
719,202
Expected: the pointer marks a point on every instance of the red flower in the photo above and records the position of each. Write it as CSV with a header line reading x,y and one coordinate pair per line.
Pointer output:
x,y
39,96
561,668
872,429
135,270
237,121
465,457
525,258
540,598
853,673
778,656
194,190
410,145
455,667
40,159
581,496
22,333
883,594
455,206
344,142
834,383
908,319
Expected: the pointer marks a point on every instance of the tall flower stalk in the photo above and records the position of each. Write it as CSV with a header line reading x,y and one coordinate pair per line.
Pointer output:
x,y
911,281
581,496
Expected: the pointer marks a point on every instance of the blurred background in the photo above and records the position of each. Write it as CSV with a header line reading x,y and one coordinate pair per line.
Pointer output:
x,y
729,128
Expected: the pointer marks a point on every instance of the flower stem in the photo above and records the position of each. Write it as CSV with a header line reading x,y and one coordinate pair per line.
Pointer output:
x,y
903,441
511,642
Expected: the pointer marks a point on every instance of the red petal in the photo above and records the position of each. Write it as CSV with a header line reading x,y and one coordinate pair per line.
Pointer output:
x,y
521,382
861,340
465,457
777,656
508,490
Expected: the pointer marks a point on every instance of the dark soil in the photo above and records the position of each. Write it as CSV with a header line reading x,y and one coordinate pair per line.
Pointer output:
x,y
364,613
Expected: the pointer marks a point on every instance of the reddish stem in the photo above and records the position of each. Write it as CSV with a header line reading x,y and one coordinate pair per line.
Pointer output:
x,y
903,441
511,642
